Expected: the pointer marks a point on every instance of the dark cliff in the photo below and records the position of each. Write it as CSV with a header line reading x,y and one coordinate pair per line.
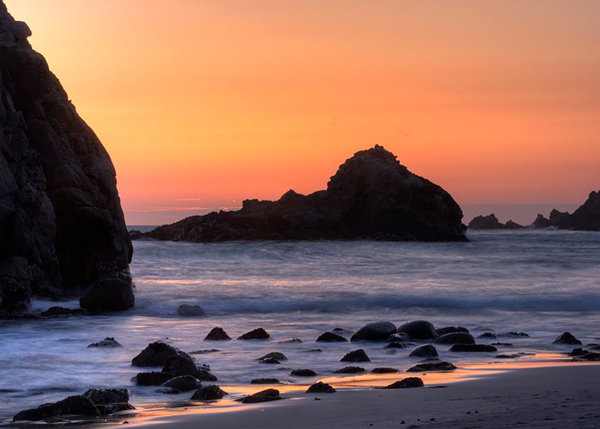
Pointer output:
x,y
585,218
372,196
61,225
492,222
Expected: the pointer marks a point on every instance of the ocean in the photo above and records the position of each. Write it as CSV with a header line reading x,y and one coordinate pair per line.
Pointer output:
x,y
539,282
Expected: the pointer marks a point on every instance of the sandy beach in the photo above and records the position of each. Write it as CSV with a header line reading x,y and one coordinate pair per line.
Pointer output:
x,y
561,396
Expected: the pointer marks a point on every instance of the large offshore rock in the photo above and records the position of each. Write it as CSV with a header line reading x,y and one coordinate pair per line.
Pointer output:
x,y
61,224
492,222
372,196
585,218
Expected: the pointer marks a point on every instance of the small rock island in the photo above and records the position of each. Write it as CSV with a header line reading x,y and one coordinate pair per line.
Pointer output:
x,y
372,196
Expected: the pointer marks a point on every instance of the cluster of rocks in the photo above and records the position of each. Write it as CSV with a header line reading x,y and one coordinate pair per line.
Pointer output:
x,y
61,224
372,196
585,218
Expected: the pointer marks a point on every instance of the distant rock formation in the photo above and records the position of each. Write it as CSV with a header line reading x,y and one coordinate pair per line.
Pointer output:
x,y
492,222
585,218
372,196
61,225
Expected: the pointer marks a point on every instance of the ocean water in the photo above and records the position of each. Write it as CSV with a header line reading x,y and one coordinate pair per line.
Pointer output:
x,y
539,282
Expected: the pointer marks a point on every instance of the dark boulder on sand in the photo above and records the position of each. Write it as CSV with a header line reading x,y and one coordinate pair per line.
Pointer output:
x,y
568,339
217,334
190,311
78,405
62,228
303,373
426,351
378,331
262,396
350,370
108,295
108,342
356,356
208,393
432,366
473,348
257,334
321,387
455,338
406,383
418,330
330,337
109,401
265,381
156,354
372,196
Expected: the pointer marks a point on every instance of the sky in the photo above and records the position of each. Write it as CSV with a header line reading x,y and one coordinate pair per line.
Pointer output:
x,y
202,104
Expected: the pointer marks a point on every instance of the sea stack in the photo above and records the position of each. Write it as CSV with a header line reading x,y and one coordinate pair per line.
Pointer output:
x,y
62,229
372,196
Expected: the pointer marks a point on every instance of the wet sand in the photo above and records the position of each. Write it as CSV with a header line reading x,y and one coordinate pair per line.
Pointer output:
x,y
501,395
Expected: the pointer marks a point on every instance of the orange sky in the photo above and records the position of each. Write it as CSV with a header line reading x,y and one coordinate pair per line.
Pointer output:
x,y
204,103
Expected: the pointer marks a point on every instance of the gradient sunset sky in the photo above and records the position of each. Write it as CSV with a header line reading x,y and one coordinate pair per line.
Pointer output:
x,y
204,103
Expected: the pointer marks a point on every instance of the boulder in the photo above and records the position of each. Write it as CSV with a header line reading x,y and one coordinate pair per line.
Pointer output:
x,y
107,396
62,228
321,387
291,341
384,370
183,383
432,366
265,381
204,375
257,334
63,312
208,393
186,310
79,405
418,330
156,354
486,222
273,355
396,345
350,370
473,348
217,334
303,373
152,378
330,337
426,351
406,383
567,338
377,331
108,342
181,364
488,335
108,295
450,329
398,337
356,356
262,396
455,338
372,196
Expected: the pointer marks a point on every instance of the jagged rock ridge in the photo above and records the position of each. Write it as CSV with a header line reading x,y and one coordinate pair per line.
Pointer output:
x,y
61,224
585,218
372,196
492,222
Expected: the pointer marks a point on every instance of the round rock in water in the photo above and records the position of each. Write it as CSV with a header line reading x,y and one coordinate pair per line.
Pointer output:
x,y
156,354
419,330
455,338
473,348
378,331
303,373
356,356
257,334
190,311
330,337
183,383
427,351
107,342
350,370
217,334
208,393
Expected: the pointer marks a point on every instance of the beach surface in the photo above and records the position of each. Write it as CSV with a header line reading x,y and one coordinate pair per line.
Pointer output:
x,y
565,396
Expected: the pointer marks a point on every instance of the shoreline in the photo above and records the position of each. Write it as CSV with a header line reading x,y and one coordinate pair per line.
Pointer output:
x,y
360,403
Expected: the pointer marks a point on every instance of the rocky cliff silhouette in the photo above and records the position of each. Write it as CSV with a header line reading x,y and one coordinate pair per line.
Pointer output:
x,y
585,218
372,196
61,225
